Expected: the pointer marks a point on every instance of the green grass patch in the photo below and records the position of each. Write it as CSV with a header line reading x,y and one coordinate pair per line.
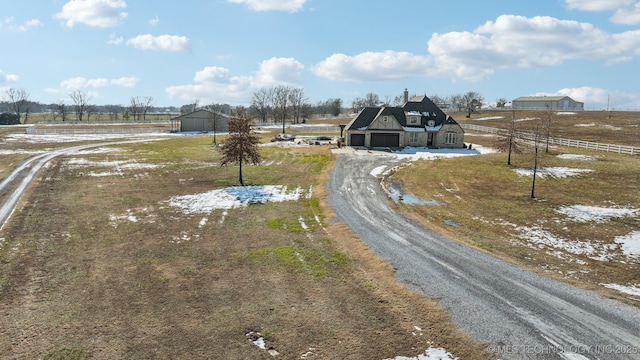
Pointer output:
x,y
313,262
65,354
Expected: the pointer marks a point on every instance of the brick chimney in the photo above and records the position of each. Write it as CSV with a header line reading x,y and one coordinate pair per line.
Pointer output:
x,y
406,95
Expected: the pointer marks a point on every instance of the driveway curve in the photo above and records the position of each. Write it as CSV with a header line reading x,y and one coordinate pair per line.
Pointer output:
x,y
520,314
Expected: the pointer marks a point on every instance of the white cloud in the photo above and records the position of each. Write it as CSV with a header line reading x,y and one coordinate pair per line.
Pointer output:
x,y
373,66
627,12
96,13
519,42
26,26
115,40
268,5
279,71
154,21
216,84
597,5
172,43
82,83
7,78
627,16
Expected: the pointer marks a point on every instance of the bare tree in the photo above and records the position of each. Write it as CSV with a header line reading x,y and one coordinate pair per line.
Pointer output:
x,y
261,103
242,145
472,102
537,134
509,141
215,115
61,109
297,101
80,102
147,104
281,103
135,108
501,103
372,99
114,110
89,110
548,127
18,102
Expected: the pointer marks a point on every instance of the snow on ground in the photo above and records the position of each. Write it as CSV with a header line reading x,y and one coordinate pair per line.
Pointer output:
x,y
555,172
235,197
538,238
581,213
606,126
630,244
631,290
575,157
430,354
490,118
566,113
423,153
39,139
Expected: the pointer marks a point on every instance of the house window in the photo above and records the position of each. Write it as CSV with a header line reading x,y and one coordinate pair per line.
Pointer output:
x,y
450,138
431,123
413,137
413,120
385,118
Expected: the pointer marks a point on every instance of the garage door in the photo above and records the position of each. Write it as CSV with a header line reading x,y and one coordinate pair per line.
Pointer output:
x,y
357,140
385,140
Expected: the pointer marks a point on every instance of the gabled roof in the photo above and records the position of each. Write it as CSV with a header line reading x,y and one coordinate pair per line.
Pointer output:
x,y
202,112
542,98
422,105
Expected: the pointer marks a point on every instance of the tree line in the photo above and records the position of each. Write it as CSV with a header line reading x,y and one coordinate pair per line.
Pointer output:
x,y
277,104
16,107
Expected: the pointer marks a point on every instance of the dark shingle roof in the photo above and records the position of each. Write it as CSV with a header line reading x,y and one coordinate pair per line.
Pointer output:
x,y
419,104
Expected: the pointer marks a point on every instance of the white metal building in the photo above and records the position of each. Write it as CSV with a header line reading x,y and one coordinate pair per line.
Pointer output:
x,y
546,103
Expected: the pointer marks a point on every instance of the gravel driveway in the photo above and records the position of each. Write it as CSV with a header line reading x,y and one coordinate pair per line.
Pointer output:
x,y
520,314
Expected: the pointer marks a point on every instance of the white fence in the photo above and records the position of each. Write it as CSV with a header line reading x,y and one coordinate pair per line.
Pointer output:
x,y
621,149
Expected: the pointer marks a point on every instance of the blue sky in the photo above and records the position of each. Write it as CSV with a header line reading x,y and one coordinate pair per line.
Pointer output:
x,y
225,50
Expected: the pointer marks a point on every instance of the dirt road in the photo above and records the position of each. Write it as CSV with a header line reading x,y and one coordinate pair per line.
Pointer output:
x,y
12,187
520,314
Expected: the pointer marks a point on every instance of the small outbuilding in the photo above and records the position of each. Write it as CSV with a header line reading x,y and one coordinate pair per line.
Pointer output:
x,y
546,103
202,121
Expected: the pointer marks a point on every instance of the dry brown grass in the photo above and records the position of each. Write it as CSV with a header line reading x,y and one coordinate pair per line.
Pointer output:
x,y
615,127
491,205
79,278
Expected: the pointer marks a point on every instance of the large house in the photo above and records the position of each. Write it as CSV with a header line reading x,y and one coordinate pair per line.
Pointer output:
x,y
419,122
546,103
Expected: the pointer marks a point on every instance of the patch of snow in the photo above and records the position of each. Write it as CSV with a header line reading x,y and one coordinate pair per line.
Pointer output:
x,y
302,223
631,290
581,213
630,243
234,197
576,157
378,171
203,222
566,113
556,172
490,118
540,238
423,153
430,354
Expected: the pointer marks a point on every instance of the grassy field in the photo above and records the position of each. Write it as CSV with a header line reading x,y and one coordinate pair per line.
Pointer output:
x,y
485,203
614,127
102,267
